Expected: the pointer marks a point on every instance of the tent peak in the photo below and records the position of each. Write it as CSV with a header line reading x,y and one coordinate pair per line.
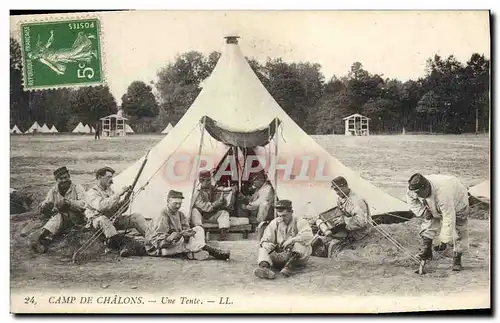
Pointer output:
x,y
232,39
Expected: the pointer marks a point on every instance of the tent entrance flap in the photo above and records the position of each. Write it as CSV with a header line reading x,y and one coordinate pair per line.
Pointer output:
x,y
242,139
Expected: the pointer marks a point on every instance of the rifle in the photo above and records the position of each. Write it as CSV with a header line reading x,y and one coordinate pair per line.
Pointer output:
x,y
118,213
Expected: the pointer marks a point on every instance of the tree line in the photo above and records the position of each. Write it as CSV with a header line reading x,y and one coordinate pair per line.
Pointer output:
x,y
452,97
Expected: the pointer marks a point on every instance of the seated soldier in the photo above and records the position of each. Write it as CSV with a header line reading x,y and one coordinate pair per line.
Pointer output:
x,y
102,205
285,243
209,207
350,222
170,234
260,204
68,200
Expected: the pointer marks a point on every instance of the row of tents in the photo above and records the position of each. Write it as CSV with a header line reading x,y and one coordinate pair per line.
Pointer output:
x,y
80,128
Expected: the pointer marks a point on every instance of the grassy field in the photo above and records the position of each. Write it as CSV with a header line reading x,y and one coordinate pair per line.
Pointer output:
x,y
387,161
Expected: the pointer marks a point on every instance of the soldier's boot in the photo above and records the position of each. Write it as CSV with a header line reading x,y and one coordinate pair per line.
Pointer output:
x,y
223,234
425,252
457,261
217,253
264,271
287,269
117,242
40,241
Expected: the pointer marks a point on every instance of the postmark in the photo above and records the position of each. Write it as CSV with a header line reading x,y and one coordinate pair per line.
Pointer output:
x,y
61,53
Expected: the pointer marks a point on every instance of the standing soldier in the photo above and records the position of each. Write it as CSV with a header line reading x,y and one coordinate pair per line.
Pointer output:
x,y
349,223
285,243
444,203
208,208
103,203
68,200
170,234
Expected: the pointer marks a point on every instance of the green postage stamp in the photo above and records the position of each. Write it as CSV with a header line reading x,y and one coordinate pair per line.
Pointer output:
x,y
61,53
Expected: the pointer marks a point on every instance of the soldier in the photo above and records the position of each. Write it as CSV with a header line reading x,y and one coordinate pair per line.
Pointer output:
x,y
285,243
103,203
444,203
262,201
350,222
68,200
170,234
207,208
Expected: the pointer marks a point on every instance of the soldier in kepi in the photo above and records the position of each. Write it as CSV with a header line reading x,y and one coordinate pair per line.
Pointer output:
x,y
102,205
208,207
443,202
67,199
170,234
285,243
260,204
347,223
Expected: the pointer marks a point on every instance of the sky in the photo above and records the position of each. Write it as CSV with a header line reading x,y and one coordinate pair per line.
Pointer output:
x,y
393,43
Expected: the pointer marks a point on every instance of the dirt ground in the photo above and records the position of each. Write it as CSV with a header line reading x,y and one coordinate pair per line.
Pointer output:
x,y
377,268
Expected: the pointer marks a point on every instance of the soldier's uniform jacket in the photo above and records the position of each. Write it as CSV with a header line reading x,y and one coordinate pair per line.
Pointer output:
x,y
205,198
448,197
264,194
75,196
357,223
162,226
101,202
278,232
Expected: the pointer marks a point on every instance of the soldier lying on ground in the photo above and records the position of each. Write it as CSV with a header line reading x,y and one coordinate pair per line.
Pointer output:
x,y
350,221
67,199
170,234
103,203
444,203
285,244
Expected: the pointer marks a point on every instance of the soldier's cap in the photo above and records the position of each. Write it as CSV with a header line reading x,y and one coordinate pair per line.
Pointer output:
x,y
204,174
417,181
339,181
60,171
102,171
283,205
174,195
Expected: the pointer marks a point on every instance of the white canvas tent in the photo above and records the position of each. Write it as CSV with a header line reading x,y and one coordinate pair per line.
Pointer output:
x,y
34,126
15,130
53,129
168,128
128,129
233,99
86,128
44,128
92,129
481,191
79,128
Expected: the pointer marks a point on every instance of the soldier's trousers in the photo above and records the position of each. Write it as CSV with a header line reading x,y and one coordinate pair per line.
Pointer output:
x,y
195,244
221,217
274,259
110,229
61,221
431,228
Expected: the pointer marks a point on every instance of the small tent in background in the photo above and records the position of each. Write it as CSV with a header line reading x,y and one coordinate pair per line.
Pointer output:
x,y
86,128
79,128
481,191
34,127
15,130
92,130
44,128
53,129
167,128
128,129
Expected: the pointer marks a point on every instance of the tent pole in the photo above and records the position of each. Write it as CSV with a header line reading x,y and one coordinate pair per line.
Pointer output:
x,y
275,164
197,167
